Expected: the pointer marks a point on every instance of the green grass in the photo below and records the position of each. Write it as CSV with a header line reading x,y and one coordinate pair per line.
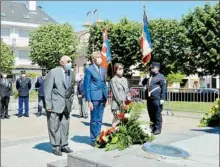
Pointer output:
x,y
188,106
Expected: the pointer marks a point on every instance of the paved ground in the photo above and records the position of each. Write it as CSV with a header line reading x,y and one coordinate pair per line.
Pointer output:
x,y
24,141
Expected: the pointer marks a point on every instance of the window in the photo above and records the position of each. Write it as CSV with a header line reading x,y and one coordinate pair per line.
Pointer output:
x,y
24,33
24,54
26,17
3,14
45,18
5,32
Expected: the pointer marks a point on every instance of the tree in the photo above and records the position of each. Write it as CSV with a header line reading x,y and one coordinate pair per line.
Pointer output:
x,y
50,42
124,40
170,46
7,58
203,30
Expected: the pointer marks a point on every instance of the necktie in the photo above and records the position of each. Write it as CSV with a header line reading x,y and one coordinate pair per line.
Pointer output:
x,y
6,82
99,70
67,80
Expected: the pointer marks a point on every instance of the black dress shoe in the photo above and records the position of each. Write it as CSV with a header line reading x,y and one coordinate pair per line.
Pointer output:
x,y
7,116
26,115
38,114
157,132
19,115
57,152
152,128
93,144
66,149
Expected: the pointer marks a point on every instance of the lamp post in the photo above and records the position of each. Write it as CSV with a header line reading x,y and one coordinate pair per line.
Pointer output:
x,y
88,24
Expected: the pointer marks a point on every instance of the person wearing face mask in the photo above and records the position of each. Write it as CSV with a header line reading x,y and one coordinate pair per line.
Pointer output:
x,y
58,92
23,85
39,85
5,93
81,98
155,92
120,91
95,94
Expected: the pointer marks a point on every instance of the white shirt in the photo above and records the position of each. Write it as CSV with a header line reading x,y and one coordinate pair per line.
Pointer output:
x,y
98,68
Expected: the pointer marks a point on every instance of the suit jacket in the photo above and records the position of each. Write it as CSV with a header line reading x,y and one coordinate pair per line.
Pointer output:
x,y
120,90
40,85
5,91
23,86
80,88
57,95
94,84
159,81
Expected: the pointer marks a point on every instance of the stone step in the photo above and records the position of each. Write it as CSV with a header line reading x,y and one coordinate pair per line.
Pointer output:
x,y
59,163
130,157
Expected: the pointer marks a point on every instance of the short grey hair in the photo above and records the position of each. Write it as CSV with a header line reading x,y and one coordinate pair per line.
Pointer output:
x,y
95,54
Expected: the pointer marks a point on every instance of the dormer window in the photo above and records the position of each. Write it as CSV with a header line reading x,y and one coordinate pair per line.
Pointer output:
x,y
26,17
45,18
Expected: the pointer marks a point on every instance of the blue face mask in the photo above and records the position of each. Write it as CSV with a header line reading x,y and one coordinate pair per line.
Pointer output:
x,y
68,66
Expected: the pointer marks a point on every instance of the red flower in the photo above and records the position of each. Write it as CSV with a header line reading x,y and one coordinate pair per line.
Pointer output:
x,y
108,132
121,116
101,137
127,102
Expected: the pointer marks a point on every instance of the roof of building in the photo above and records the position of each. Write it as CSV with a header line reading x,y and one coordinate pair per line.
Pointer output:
x,y
82,32
18,12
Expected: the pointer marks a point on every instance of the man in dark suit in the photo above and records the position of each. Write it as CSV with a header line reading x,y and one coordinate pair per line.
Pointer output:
x,y
95,94
39,85
155,92
23,85
81,97
5,93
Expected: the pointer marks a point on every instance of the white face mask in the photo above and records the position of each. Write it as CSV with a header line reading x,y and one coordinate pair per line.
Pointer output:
x,y
4,75
23,75
99,61
120,72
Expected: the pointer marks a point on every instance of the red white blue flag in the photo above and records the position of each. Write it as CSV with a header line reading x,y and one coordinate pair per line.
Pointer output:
x,y
106,52
146,45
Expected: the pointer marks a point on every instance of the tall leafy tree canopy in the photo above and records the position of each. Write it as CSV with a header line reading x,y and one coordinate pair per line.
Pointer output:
x,y
203,29
50,42
7,59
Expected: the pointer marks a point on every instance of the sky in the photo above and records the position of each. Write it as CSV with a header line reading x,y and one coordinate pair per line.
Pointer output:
x,y
75,12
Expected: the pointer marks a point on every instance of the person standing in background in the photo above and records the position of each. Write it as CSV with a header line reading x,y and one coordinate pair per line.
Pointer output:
x,y
81,98
39,85
5,93
23,85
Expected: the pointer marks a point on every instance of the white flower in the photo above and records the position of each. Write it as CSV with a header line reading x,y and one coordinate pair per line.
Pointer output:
x,y
117,128
216,106
146,129
127,115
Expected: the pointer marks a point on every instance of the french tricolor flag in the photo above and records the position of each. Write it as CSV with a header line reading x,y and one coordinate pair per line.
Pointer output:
x,y
106,52
146,45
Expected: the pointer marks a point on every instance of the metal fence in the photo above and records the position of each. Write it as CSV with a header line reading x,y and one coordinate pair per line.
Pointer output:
x,y
192,100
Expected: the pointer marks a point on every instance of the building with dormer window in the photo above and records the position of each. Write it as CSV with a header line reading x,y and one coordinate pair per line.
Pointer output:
x,y
17,21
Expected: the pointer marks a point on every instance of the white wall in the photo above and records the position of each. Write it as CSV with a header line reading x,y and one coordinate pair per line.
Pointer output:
x,y
20,34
